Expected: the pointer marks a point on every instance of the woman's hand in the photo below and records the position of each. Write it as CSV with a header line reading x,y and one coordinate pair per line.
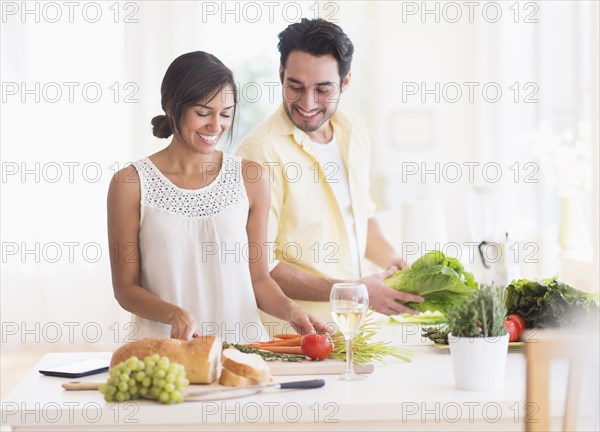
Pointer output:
x,y
303,322
184,325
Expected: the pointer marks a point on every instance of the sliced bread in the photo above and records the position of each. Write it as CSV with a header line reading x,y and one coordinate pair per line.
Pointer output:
x,y
249,366
229,379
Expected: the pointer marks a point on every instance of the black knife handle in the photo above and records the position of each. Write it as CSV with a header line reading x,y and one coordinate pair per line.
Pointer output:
x,y
316,383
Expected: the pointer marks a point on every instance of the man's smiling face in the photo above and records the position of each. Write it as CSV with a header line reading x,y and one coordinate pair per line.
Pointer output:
x,y
311,91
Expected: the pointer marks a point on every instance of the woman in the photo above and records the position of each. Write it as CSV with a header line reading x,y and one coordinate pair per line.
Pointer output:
x,y
187,225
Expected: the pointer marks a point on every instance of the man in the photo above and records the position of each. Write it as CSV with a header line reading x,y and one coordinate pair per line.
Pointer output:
x,y
321,219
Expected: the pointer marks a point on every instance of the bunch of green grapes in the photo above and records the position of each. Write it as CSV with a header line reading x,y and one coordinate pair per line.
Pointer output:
x,y
154,378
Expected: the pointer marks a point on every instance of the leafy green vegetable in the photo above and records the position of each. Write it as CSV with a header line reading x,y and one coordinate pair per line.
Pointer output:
x,y
440,280
481,314
550,303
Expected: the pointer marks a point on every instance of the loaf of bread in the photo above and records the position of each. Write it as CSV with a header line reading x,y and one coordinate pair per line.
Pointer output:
x,y
201,356
241,369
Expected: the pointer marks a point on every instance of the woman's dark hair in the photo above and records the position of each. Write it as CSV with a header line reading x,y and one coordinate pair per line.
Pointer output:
x,y
192,77
317,37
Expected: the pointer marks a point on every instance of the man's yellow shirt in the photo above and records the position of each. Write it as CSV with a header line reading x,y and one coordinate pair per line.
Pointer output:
x,y
306,228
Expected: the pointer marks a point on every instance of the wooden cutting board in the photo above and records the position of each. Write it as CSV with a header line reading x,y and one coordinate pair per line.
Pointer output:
x,y
323,367
278,368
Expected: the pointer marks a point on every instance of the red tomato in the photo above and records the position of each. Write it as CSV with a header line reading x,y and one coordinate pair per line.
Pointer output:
x,y
316,346
519,320
514,331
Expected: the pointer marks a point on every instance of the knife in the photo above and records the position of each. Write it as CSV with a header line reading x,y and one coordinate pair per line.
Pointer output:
x,y
307,384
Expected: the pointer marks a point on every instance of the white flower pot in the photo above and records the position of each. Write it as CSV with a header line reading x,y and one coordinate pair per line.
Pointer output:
x,y
479,362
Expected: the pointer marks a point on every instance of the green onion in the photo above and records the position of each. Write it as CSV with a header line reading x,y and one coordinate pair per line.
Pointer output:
x,y
365,351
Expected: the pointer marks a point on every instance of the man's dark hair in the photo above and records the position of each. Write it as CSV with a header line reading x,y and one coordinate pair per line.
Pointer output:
x,y
317,37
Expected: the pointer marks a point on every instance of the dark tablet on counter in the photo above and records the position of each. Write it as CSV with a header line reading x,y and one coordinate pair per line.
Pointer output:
x,y
78,368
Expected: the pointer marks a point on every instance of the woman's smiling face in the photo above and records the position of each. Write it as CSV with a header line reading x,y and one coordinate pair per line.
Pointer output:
x,y
203,124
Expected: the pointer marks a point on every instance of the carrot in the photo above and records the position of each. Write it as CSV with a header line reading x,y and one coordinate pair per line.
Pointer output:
x,y
284,350
294,342
282,343
282,340
279,343
287,336
286,342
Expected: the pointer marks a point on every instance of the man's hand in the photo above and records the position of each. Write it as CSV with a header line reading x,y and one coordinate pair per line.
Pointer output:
x,y
382,298
398,262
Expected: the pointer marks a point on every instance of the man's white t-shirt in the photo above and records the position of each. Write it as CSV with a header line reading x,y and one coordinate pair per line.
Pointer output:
x,y
336,176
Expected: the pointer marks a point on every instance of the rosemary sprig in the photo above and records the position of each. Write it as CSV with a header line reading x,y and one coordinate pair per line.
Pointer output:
x,y
479,315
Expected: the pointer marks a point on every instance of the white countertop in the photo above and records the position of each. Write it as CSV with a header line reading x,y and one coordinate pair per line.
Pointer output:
x,y
410,396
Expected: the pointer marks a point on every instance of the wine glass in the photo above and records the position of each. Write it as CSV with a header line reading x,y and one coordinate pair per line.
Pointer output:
x,y
348,303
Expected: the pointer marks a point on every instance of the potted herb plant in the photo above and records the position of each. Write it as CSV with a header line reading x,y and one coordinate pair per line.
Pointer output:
x,y
478,339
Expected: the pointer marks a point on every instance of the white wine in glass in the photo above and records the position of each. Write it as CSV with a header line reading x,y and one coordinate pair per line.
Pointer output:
x,y
348,303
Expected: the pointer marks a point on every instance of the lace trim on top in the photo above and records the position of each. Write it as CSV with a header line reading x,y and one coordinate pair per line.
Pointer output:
x,y
226,190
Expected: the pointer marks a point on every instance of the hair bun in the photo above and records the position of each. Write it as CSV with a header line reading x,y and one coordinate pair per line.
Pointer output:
x,y
161,127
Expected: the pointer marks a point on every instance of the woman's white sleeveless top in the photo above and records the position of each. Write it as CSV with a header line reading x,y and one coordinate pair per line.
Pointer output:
x,y
194,252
